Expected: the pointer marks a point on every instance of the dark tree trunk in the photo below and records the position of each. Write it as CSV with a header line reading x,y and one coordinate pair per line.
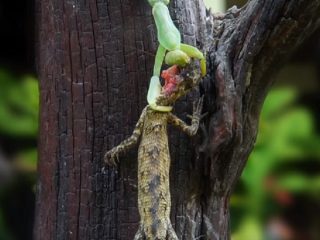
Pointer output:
x,y
95,60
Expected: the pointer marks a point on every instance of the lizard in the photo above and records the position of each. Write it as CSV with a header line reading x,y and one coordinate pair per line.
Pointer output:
x,y
154,201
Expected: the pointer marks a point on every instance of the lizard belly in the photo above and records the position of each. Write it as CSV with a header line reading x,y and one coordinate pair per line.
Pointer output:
x,y
153,191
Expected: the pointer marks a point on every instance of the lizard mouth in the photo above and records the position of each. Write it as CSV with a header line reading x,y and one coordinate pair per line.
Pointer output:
x,y
172,79
178,81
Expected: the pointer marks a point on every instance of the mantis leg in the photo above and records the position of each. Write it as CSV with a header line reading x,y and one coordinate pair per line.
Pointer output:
x,y
161,52
194,52
155,86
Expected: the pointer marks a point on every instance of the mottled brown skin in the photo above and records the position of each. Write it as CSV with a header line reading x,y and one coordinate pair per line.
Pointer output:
x,y
154,165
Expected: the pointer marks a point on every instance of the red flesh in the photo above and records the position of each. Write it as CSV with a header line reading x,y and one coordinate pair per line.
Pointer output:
x,y
171,78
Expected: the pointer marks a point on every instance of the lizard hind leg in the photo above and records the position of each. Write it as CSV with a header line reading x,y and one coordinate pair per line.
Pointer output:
x,y
169,235
140,234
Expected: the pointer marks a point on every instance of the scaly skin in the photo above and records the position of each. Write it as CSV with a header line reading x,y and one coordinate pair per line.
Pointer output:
x,y
154,200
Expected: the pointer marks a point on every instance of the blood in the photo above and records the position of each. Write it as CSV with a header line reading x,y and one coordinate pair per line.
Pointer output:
x,y
171,78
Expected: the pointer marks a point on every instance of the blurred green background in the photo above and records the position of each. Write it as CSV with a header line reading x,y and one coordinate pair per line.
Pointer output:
x,y
19,107
278,195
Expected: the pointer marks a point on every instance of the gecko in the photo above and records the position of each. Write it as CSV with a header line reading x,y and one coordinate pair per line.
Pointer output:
x,y
154,201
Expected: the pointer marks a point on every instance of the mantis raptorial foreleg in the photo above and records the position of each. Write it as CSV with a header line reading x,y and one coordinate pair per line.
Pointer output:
x,y
155,85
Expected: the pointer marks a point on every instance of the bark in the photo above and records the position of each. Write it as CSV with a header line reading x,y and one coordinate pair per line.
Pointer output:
x,y
95,60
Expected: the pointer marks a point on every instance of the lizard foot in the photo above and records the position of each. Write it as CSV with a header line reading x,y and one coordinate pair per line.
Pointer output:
x,y
112,157
140,234
162,232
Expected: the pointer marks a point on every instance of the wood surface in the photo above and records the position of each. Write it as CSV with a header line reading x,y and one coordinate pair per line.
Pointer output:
x,y
95,59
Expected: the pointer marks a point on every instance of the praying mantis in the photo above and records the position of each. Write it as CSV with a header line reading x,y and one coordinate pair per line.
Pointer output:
x,y
170,50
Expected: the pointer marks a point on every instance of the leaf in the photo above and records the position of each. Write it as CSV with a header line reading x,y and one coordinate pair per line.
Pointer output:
x,y
277,100
293,128
19,105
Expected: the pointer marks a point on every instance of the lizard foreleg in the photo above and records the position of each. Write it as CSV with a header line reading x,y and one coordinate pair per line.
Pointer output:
x,y
112,156
192,129
140,234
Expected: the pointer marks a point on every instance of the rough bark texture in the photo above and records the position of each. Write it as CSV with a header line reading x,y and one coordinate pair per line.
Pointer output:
x,y
95,60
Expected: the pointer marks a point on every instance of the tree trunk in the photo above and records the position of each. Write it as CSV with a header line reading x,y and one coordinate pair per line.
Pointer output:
x,y
95,59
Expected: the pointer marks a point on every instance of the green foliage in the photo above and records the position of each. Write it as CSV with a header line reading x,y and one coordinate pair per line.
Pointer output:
x,y
26,160
249,229
19,110
19,101
19,107
298,183
286,136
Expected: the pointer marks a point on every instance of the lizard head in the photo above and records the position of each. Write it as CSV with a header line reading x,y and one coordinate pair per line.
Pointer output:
x,y
178,81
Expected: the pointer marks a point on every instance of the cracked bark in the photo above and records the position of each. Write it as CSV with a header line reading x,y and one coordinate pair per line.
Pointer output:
x,y
95,59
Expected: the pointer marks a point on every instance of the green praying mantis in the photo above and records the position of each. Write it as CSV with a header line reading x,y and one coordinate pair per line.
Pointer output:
x,y
170,50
